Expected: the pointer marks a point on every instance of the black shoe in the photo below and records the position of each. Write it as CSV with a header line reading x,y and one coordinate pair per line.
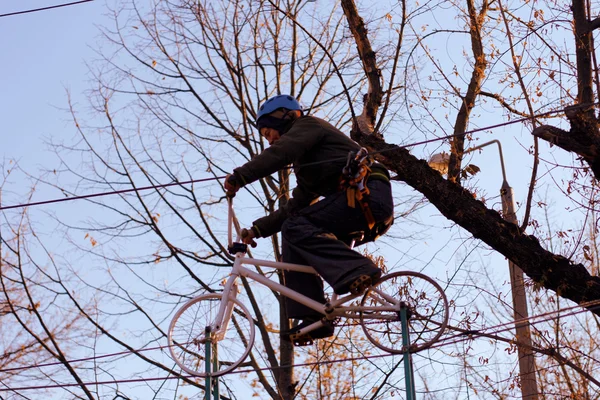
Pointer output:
x,y
356,282
306,339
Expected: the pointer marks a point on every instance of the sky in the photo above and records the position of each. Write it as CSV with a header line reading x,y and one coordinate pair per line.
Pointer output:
x,y
44,57
44,54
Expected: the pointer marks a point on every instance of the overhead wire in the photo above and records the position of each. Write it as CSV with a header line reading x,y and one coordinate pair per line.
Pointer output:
x,y
474,332
443,342
470,333
109,382
44,8
88,196
79,360
586,306
460,337
245,371
545,114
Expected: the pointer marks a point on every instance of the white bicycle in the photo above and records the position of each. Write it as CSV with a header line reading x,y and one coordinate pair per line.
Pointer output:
x,y
221,321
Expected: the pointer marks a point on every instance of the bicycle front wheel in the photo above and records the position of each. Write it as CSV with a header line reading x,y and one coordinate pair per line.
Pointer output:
x,y
426,305
188,336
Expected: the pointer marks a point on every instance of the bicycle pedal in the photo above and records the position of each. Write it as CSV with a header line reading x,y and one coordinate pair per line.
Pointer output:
x,y
360,284
301,340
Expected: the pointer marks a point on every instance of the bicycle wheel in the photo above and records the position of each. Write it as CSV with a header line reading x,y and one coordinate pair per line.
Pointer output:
x,y
427,309
187,334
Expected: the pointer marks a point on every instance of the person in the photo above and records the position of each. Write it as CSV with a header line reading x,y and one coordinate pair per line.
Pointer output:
x,y
315,233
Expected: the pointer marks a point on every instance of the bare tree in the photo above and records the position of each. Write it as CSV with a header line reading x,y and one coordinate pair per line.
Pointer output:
x,y
38,332
189,89
552,271
176,95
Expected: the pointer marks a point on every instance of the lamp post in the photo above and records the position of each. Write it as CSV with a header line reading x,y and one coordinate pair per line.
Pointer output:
x,y
519,298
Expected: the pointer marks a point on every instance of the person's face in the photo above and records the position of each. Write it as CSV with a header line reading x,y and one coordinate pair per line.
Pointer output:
x,y
272,135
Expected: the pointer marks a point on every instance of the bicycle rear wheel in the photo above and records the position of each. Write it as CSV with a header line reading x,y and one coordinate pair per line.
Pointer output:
x,y
187,336
426,304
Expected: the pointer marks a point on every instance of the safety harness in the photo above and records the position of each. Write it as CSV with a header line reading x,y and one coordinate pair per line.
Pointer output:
x,y
354,181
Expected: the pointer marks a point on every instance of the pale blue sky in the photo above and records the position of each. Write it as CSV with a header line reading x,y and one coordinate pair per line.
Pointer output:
x,y
43,54
46,55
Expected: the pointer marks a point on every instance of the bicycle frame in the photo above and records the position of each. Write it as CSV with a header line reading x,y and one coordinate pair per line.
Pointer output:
x,y
386,312
333,309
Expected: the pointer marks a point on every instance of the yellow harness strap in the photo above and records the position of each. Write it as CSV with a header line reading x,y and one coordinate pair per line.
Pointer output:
x,y
355,194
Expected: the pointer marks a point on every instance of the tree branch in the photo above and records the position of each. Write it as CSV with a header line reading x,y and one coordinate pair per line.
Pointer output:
x,y
551,271
594,24
374,96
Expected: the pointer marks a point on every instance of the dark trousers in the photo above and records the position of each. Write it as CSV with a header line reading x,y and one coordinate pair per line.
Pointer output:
x,y
318,236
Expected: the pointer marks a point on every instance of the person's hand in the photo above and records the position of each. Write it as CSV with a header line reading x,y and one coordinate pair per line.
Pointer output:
x,y
231,185
248,237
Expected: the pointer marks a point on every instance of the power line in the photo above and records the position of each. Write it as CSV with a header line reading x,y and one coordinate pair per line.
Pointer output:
x,y
444,341
87,196
475,332
244,371
79,360
64,385
460,337
542,115
493,330
582,310
303,165
44,8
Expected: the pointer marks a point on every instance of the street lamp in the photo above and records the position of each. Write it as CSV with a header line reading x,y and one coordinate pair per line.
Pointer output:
x,y
521,314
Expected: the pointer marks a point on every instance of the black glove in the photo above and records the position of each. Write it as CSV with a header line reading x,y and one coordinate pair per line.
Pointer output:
x,y
232,185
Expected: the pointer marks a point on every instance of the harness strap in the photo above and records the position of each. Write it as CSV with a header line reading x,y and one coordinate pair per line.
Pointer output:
x,y
354,182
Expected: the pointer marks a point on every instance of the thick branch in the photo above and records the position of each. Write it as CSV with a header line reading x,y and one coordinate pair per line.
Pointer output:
x,y
582,139
468,101
555,272
583,50
367,56
595,24
564,140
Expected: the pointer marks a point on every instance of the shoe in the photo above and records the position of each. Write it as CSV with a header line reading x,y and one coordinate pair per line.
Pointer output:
x,y
356,282
308,338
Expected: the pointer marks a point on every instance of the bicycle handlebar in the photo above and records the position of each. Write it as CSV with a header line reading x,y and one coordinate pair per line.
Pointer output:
x,y
230,221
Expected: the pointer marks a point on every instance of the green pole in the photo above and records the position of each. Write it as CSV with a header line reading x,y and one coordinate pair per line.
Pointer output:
x,y
207,363
215,382
408,371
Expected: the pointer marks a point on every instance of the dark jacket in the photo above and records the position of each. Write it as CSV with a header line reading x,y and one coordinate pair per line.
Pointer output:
x,y
308,140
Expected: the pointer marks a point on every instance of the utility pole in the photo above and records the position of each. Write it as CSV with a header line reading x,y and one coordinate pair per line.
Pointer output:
x,y
521,314
529,390
527,375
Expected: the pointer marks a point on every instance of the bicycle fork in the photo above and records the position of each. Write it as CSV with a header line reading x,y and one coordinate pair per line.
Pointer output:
x,y
216,331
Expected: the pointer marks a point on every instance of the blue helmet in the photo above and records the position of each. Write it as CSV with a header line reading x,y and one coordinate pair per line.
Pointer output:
x,y
282,101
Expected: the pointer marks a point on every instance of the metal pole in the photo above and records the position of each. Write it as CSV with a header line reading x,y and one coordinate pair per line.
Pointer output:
x,y
519,297
207,363
408,369
527,368
215,382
